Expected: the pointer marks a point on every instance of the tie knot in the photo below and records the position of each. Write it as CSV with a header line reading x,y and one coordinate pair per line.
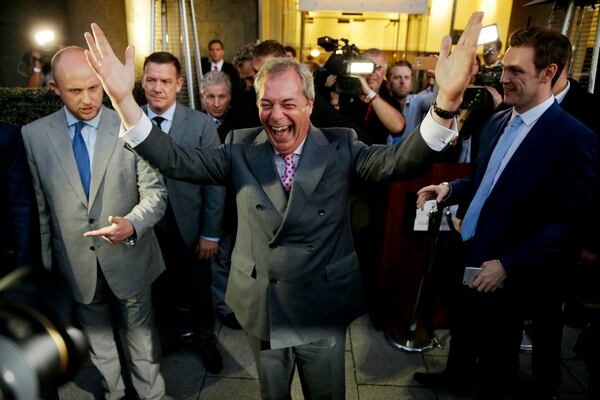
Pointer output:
x,y
79,126
288,159
518,121
159,120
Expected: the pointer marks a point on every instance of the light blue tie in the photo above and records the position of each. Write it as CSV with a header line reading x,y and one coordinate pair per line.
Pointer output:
x,y
82,158
470,221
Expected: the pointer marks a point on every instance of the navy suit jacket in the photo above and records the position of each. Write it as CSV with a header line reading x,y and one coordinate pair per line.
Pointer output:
x,y
531,218
18,210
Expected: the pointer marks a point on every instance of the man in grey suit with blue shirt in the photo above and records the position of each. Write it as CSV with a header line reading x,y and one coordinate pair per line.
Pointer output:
x,y
189,232
84,177
295,283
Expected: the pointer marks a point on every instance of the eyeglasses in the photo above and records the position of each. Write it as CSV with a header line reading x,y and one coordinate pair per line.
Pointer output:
x,y
377,66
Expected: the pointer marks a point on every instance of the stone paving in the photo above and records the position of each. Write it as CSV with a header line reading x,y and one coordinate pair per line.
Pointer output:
x,y
374,370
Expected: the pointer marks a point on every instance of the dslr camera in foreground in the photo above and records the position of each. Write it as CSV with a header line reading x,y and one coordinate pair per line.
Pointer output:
x,y
39,348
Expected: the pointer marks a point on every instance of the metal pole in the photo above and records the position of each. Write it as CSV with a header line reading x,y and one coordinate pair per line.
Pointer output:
x,y
188,58
260,20
152,25
568,17
453,17
302,22
406,40
196,44
593,71
165,35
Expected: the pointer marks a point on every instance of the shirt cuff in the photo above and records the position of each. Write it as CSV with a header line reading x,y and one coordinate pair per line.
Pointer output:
x,y
137,133
436,136
209,238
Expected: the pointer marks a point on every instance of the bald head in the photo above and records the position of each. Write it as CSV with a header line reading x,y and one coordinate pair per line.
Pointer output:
x,y
76,84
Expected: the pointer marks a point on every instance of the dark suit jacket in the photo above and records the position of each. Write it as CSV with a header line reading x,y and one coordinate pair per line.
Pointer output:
x,y
198,209
294,270
234,76
20,231
530,219
585,107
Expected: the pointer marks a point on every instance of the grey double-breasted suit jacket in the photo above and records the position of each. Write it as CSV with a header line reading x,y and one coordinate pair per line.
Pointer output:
x,y
294,270
122,184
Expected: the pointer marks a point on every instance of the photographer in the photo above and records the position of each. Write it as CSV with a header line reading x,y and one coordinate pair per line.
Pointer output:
x,y
373,108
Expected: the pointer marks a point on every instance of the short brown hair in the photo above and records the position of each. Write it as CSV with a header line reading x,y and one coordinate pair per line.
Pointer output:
x,y
269,48
279,65
549,47
163,57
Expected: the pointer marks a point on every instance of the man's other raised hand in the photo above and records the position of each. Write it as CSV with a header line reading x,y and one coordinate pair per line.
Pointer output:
x,y
454,70
117,79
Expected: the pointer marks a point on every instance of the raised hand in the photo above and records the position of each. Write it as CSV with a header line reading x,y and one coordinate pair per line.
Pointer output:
x,y
117,79
454,70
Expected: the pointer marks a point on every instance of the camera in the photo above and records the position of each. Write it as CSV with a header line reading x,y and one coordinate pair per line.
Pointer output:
x,y
344,62
476,97
39,348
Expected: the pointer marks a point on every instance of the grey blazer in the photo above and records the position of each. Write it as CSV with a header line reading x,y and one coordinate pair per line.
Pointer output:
x,y
198,209
294,270
121,185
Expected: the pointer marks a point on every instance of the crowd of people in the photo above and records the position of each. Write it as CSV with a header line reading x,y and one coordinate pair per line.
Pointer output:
x,y
241,211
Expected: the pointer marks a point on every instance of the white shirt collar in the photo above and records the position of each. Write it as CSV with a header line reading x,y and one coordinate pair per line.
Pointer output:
x,y
533,114
219,65
561,96
298,150
71,119
168,115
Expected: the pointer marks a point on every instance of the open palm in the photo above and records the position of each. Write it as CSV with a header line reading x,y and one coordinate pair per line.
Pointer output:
x,y
454,70
117,79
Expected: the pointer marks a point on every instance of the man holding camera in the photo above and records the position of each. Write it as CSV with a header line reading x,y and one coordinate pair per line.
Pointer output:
x,y
529,191
374,109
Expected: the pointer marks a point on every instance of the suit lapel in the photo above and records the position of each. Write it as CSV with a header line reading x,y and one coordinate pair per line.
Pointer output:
x,y
529,144
179,123
316,156
106,141
60,141
260,157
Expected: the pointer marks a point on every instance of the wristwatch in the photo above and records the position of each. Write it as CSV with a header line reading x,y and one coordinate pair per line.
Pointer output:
x,y
131,240
445,114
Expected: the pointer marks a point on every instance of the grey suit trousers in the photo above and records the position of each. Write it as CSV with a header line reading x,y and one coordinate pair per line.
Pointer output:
x,y
320,364
136,319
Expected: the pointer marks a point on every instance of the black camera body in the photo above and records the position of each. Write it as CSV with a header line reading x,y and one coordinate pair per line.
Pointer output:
x,y
476,97
489,76
39,348
339,63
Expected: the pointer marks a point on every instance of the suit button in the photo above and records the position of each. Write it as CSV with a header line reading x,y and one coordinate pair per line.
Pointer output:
x,y
310,249
321,213
92,248
259,207
307,284
91,220
273,281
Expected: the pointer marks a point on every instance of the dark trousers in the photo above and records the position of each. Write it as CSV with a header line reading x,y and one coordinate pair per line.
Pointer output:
x,y
184,285
320,367
486,331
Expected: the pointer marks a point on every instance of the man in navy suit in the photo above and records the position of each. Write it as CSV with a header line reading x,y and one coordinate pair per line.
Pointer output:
x,y
530,187
19,240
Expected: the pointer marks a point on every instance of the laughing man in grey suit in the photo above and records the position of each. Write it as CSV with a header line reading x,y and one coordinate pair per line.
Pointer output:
x,y
189,232
295,283
83,177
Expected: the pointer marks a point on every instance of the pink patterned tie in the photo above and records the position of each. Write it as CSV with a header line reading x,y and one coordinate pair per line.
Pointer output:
x,y
216,68
290,170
